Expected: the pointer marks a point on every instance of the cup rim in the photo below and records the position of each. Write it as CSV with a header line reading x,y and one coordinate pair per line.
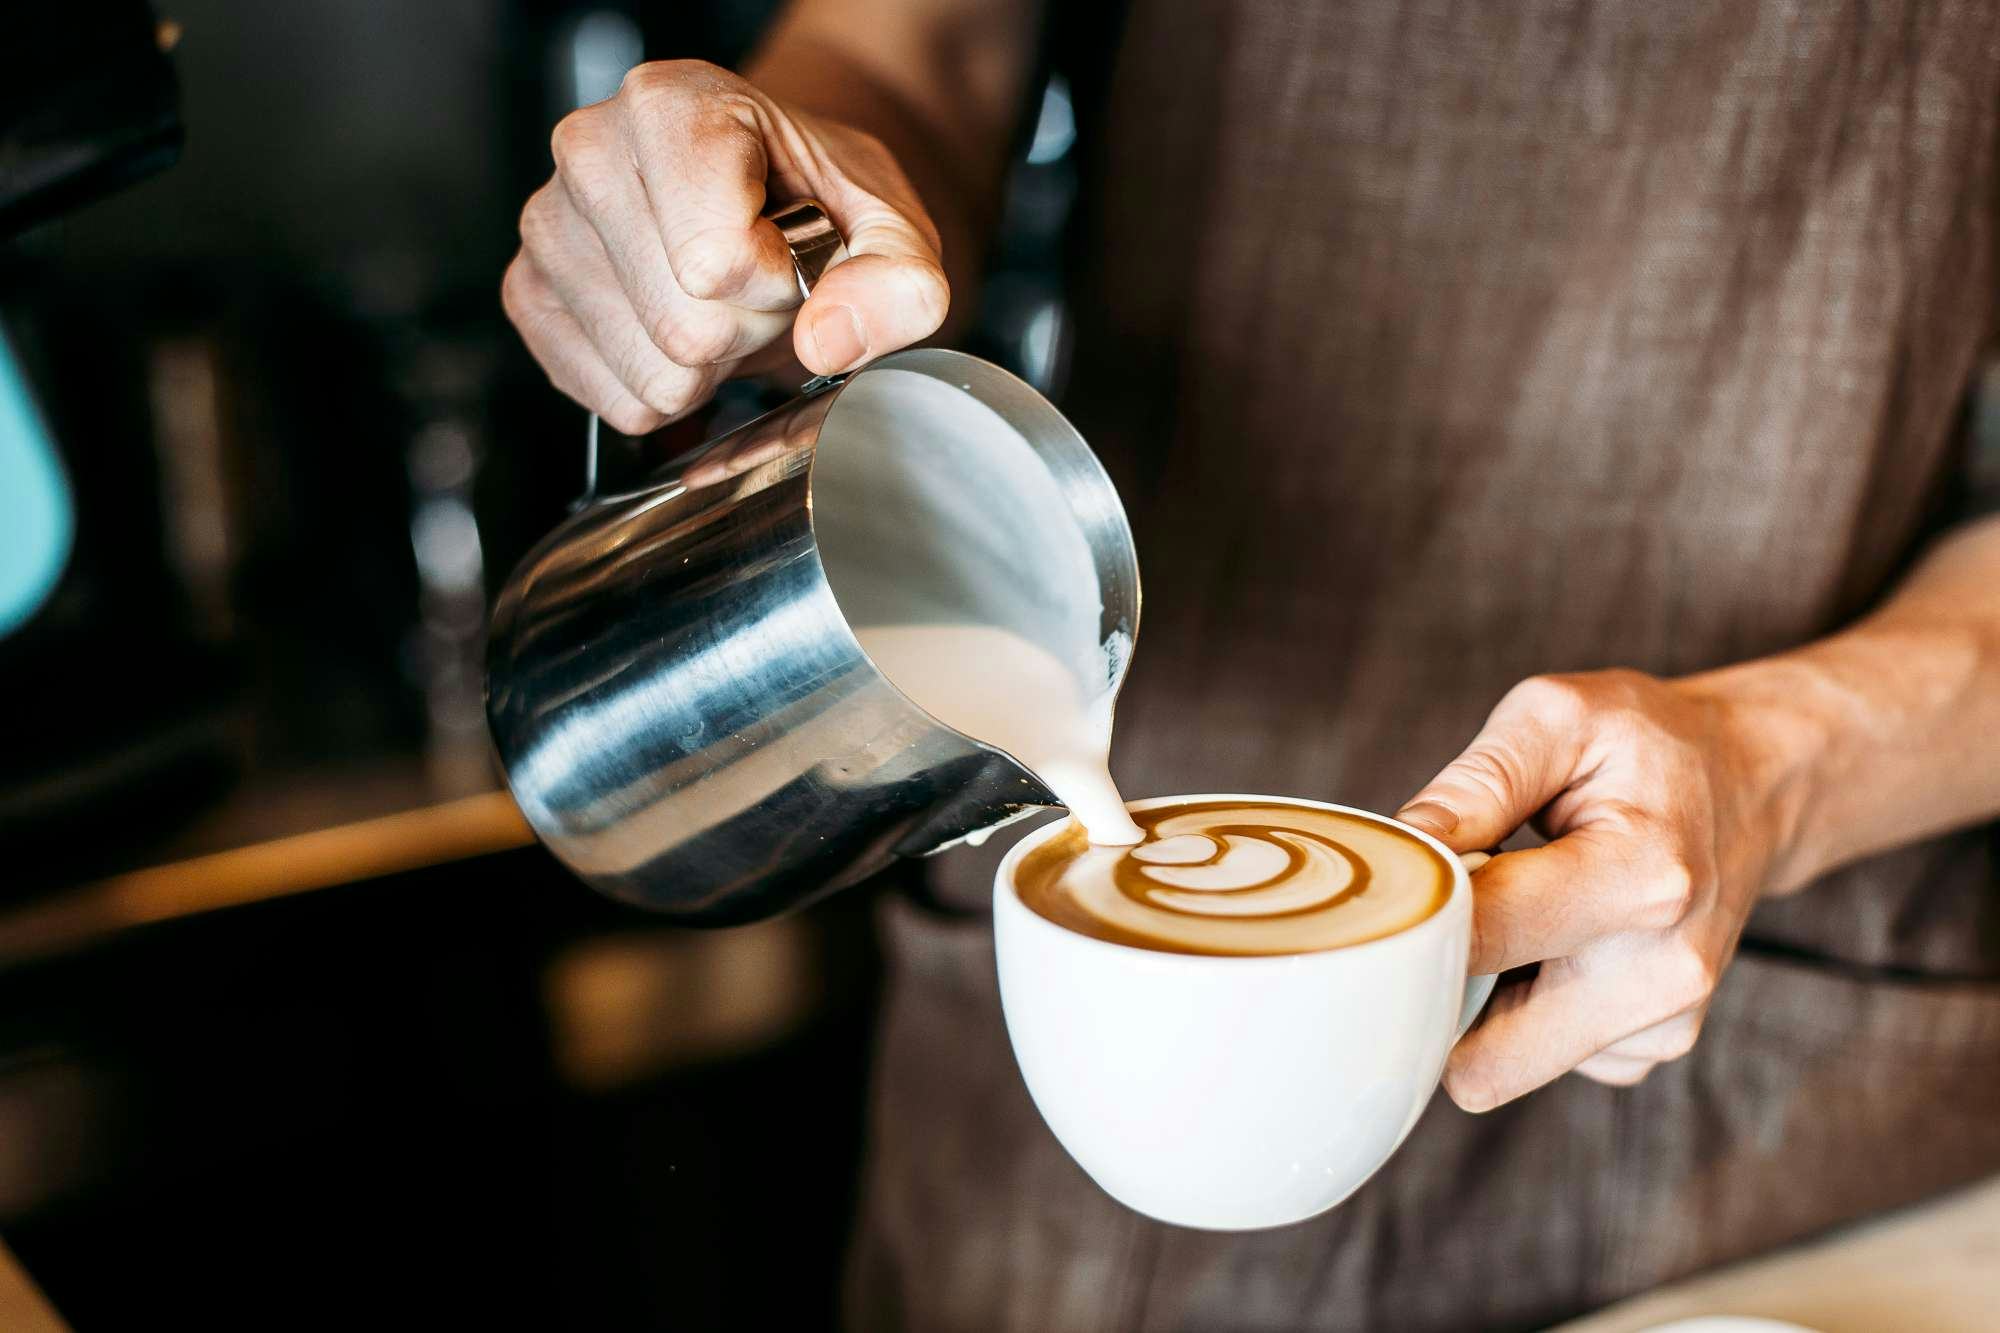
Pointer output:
x,y
1007,897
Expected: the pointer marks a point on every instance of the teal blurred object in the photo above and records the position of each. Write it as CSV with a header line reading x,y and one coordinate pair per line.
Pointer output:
x,y
37,522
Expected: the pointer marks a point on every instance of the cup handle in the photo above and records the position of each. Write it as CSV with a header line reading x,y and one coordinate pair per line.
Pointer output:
x,y
816,247
1479,989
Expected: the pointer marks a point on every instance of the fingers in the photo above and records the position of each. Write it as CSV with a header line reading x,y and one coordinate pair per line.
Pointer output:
x,y
558,342
1578,1009
1598,879
566,251
1634,906
697,136
1624,1063
721,143
651,237
598,235
1617,1071
688,331
1520,761
1543,1030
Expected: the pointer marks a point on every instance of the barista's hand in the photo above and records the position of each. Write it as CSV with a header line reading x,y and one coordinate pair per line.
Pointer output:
x,y
646,276
1665,806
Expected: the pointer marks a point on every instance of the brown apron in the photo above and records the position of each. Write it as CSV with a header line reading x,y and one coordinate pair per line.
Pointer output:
x,y
1434,345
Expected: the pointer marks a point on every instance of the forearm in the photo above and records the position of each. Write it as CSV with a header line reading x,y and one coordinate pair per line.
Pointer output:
x,y
939,83
1888,731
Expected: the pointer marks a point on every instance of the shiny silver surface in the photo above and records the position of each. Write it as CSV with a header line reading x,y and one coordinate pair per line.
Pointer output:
x,y
814,242
679,701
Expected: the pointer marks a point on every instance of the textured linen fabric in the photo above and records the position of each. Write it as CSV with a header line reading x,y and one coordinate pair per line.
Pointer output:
x,y
1434,345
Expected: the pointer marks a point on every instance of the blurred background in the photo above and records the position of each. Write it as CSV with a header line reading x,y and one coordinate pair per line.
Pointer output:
x,y
296,1028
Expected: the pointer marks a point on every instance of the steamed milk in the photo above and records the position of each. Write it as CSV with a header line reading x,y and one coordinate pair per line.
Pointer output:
x,y
996,686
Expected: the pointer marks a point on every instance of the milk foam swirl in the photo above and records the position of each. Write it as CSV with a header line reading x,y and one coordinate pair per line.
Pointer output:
x,y
1239,878
1240,870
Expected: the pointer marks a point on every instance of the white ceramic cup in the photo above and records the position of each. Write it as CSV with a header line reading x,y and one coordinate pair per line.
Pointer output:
x,y
1232,1093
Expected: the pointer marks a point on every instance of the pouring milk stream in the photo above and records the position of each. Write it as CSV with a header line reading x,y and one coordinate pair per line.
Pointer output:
x,y
995,686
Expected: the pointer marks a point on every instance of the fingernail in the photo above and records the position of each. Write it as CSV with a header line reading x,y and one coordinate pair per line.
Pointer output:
x,y
836,334
1430,816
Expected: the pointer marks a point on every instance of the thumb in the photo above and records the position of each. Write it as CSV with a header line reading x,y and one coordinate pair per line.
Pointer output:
x,y
890,293
1520,761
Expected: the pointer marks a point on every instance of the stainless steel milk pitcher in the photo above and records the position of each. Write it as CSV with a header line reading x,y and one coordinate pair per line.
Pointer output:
x,y
675,688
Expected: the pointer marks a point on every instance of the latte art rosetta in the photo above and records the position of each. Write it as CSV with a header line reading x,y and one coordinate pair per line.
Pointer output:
x,y
1239,871
1239,878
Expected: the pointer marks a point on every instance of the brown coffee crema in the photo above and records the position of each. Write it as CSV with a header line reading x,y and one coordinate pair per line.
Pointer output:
x,y
1238,878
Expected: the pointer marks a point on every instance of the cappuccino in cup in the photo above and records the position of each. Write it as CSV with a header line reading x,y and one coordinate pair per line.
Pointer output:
x,y
1233,1023
1229,1009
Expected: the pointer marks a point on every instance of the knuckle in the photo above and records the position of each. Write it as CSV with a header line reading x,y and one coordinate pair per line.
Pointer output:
x,y
1622,684
693,340
575,140
1547,696
668,389
655,84
727,125
632,418
720,118
513,291
1671,1040
709,264
1624,1074
1686,977
1679,1041
538,224
930,293
1626,704
656,80
649,80
1669,895
1616,697
1624,722
731,109
1472,1088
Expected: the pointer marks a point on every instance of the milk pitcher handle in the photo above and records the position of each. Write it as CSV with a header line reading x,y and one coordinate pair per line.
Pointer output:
x,y
816,246
811,237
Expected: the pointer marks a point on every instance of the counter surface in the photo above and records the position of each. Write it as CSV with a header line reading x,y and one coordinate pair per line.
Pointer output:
x,y
1934,1268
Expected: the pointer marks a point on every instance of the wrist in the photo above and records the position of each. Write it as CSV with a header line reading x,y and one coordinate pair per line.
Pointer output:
x,y
1778,739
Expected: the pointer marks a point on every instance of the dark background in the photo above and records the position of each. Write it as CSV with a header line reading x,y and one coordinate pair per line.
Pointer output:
x,y
305,447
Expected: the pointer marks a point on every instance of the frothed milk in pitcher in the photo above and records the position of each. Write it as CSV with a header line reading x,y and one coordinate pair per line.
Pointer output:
x,y
982,606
